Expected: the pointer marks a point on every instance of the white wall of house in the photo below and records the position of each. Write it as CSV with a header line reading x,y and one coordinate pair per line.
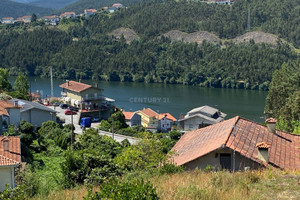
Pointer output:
x,y
7,176
164,124
14,116
193,123
36,117
213,159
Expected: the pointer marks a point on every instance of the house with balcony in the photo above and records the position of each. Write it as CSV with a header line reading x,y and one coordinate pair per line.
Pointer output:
x,y
149,118
165,122
88,99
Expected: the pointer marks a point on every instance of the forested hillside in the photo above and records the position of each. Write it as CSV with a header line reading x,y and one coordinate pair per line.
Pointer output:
x,y
80,5
54,4
13,9
152,58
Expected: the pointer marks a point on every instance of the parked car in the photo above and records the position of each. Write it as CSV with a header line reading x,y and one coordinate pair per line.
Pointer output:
x,y
73,108
63,106
70,112
56,104
95,119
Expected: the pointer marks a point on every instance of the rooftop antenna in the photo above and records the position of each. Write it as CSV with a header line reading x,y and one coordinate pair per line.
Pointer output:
x,y
249,20
51,76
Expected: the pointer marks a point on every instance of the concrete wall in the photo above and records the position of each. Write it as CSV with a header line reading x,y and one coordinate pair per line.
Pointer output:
x,y
36,117
213,159
7,176
193,123
14,116
136,120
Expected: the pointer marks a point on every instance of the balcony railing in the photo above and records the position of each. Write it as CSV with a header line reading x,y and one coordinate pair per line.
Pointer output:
x,y
64,94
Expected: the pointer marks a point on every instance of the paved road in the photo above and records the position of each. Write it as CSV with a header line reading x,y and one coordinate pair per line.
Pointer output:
x,y
78,130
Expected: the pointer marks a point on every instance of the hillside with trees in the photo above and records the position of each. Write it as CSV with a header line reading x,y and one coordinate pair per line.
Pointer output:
x,y
84,48
9,8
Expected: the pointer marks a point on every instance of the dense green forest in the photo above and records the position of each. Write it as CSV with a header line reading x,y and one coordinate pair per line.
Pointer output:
x,y
13,9
283,100
94,54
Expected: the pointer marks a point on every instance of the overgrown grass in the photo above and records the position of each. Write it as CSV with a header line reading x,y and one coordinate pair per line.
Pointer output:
x,y
190,185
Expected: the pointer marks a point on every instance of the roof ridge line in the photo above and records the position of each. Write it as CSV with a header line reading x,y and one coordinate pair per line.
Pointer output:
x,y
267,126
231,129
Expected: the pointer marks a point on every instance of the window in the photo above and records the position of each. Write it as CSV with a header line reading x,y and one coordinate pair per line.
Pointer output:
x,y
190,126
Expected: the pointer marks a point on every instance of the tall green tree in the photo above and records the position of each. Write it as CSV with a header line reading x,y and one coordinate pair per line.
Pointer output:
x,y
4,83
21,86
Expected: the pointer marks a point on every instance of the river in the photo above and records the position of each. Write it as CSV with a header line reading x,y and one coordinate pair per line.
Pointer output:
x,y
175,99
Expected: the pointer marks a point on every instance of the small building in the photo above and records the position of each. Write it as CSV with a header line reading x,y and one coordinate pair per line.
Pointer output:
x,y
117,5
10,160
201,117
68,15
222,2
88,99
51,20
165,122
26,19
89,12
7,20
238,144
149,118
132,118
34,113
112,9
9,115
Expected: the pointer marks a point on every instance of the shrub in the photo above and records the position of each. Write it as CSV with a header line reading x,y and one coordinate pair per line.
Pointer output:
x,y
170,169
119,190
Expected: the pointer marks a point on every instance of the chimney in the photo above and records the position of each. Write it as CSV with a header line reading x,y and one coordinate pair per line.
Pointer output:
x,y
68,82
271,124
181,116
6,144
16,103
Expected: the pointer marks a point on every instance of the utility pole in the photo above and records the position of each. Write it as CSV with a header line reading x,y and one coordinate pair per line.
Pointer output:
x,y
249,21
72,131
51,75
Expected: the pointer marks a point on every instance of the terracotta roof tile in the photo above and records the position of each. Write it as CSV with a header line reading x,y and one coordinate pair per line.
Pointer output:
x,y
245,137
168,115
75,86
271,120
13,155
149,112
128,115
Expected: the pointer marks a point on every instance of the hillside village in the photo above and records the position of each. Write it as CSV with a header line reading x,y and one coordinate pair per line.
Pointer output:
x,y
54,19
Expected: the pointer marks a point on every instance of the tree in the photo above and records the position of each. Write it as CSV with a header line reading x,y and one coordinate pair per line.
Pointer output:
x,y
4,83
33,17
21,86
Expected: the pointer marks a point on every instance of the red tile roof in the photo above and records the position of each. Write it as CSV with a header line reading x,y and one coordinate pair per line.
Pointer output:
x,y
128,115
271,120
241,135
169,116
75,86
13,155
5,105
149,112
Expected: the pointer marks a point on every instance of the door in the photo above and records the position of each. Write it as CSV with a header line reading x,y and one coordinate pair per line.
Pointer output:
x,y
225,161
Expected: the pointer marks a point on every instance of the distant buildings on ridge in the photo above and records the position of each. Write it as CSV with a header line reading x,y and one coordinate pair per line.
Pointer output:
x,y
55,19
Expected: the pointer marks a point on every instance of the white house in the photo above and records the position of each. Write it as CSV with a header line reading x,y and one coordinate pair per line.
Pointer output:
x,y
52,20
35,113
201,117
132,118
68,15
10,160
165,122
8,20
